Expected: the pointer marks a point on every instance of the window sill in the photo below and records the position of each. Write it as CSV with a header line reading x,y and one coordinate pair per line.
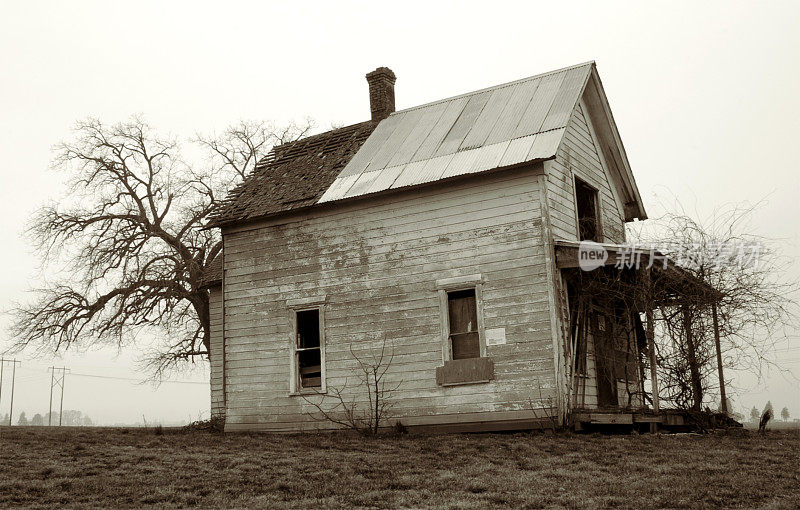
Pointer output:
x,y
465,383
465,371
303,393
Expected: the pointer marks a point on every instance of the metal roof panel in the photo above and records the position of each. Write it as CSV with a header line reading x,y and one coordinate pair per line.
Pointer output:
x,y
540,104
513,111
428,147
463,124
517,151
373,144
495,127
362,184
385,179
546,144
565,100
487,119
425,126
476,160
406,125
339,187
413,173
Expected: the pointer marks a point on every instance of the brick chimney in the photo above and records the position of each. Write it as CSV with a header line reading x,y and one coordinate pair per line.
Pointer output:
x,y
381,92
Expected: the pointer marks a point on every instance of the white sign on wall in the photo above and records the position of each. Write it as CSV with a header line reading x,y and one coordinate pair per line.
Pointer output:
x,y
495,336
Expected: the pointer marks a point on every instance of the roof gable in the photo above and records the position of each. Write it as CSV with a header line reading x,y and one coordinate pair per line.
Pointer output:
x,y
506,125
614,158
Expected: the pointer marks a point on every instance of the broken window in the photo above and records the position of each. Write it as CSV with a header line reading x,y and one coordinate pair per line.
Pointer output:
x,y
586,200
308,348
463,319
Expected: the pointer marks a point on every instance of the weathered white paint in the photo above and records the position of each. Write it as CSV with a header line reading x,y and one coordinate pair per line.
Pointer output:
x,y
578,156
217,396
383,264
377,262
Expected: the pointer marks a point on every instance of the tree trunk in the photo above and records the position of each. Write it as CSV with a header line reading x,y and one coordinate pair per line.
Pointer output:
x,y
723,397
202,307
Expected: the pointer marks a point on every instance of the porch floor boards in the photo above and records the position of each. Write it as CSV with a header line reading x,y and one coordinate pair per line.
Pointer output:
x,y
669,417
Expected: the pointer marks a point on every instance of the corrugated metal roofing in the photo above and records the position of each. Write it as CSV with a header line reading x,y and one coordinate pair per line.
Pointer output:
x,y
500,126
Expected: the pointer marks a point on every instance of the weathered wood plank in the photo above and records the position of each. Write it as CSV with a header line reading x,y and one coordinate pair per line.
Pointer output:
x,y
377,265
217,356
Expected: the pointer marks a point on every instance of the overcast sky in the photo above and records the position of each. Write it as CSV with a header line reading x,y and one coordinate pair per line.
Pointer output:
x,y
704,95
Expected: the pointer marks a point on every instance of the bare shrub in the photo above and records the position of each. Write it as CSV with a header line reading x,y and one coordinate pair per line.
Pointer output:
x,y
345,405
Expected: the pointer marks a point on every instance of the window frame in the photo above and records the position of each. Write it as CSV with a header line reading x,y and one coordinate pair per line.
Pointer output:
x,y
443,287
597,211
303,305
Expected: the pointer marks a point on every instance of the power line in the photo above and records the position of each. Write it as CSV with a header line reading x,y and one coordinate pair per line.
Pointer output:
x,y
134,379
116,378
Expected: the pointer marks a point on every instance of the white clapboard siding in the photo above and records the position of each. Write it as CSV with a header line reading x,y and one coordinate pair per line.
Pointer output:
x,y
217,396
589,398
376,262
578,157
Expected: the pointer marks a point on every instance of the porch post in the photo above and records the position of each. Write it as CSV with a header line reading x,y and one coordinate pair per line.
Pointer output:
x,y
651,332
724,400
694,369
651,349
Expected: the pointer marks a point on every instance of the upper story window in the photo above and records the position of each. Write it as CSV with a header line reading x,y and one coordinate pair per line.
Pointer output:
x,y
587,209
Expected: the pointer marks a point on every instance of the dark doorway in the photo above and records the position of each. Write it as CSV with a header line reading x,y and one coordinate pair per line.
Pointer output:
x,y
605,362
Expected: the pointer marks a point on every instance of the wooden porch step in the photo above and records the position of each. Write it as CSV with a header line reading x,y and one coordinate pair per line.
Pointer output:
x,y
605,418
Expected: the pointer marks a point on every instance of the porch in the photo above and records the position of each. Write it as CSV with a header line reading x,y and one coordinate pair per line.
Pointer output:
x,y
608,297
673,419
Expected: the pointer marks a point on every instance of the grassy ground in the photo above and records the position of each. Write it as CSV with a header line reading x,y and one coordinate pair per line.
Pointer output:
x,y
41,467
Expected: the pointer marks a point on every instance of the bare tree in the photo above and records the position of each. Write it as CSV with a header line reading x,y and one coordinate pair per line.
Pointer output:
x,y
755,302
126,249
346,406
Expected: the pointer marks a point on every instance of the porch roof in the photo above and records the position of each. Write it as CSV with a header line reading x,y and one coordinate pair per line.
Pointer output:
x,y
669,279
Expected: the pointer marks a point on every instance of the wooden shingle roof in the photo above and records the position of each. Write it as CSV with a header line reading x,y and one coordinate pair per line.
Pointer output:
x,y
294,175
213,273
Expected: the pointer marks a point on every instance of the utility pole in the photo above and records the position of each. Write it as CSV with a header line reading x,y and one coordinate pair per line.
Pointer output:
x,y
56,381
14,364
50,414
2,364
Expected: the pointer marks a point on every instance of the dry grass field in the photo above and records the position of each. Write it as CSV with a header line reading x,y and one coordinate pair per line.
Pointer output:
x,y
134,468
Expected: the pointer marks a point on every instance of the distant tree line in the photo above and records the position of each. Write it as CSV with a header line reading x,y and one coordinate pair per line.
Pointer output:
x,y
755,415
68,419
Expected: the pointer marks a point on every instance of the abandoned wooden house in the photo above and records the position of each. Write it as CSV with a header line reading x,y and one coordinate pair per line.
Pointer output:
x,y
449,232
